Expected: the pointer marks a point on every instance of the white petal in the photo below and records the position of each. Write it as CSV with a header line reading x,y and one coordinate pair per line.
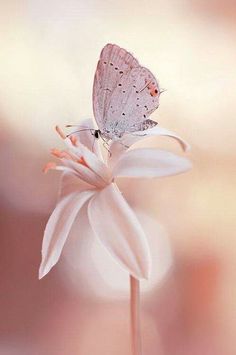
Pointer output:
x,y
129,139
118,147
112,279
149,163
71,183
58,228
117,227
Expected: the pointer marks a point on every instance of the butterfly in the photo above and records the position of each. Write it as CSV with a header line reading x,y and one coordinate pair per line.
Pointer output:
x,y
124,94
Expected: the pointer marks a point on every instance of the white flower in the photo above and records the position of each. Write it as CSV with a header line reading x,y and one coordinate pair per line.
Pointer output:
x,y
88,180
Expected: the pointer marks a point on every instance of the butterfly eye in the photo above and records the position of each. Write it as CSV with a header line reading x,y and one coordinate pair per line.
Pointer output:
x,y
96,134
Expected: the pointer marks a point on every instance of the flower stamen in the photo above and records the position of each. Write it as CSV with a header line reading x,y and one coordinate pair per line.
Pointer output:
x,y
57,153
62,154
74,141
60,132
49,166
83,162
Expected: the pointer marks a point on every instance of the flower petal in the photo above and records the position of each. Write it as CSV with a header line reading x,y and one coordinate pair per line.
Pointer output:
x,y
71,183
111,277
129,139
149,163
118,147
117,227
58,228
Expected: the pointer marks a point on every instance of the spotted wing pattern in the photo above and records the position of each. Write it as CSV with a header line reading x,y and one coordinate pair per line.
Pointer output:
x,y
135,97
113,64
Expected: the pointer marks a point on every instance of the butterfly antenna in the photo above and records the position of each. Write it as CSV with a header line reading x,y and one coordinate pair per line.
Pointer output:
x,y
162,90
81,130
76,125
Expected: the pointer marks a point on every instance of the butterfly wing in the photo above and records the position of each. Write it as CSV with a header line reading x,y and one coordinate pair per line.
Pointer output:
x,y
114,62
134,98
142,126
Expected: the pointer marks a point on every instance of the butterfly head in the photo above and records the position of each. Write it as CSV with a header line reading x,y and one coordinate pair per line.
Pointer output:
x,y
97,133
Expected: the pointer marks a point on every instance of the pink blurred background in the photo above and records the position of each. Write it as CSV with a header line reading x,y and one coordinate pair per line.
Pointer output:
x,y
49,51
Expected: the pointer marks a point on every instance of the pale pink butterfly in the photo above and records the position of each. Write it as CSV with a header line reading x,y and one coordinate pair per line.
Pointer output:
x,y
124,94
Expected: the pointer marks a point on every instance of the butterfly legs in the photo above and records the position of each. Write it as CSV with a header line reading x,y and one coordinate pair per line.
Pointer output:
x,y
124,145
105,142
106,146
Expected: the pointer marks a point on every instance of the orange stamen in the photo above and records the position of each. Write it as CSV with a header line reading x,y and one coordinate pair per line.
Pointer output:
x,y
83,162
62,154
74,140
67,155
56,152
48,166
60,132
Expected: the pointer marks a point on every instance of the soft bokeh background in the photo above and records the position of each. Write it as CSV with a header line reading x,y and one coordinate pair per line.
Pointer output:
x,y
48,55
